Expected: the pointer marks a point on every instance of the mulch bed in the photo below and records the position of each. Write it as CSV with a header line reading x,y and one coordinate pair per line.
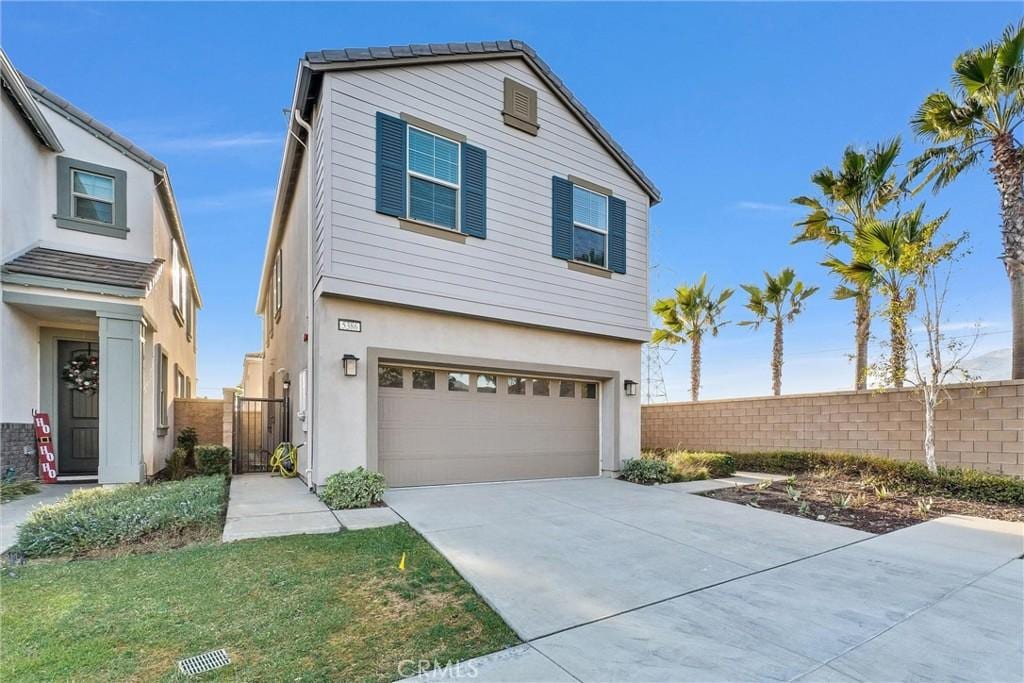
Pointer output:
x,y
852,502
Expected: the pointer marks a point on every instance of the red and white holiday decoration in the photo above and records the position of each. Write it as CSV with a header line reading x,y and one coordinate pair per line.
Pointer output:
x,y
44,446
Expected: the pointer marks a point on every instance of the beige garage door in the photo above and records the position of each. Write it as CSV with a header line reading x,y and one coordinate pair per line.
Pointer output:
x,y
451,427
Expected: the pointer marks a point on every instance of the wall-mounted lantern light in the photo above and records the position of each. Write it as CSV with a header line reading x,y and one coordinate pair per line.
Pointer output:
x,y
350,363
287,384
630,387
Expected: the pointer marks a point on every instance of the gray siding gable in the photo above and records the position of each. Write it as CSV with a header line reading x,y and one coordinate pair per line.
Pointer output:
x,y
510,276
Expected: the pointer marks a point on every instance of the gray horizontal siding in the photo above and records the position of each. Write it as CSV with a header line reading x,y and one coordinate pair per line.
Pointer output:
x,y
510,275
321,190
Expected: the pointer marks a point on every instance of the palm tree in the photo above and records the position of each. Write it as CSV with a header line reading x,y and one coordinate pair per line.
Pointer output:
x,y
687,317
781,300
889,253
984,111
864,185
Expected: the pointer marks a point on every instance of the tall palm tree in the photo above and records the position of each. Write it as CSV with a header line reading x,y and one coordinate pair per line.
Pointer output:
x,y
862,187
781,300
693,312
983,112
890,252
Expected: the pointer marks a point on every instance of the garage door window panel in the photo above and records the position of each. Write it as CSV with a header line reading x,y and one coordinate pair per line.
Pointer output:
x,y
541,387
458,381
517,386
389,377
424,379
567,389
486,384
589,390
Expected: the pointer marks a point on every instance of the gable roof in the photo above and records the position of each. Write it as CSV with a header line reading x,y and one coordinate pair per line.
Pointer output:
x,y
68,265
375,57
14,84
101,131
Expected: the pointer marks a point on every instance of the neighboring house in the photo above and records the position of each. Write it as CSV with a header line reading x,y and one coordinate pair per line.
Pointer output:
x,y
252,376
453,227
96,278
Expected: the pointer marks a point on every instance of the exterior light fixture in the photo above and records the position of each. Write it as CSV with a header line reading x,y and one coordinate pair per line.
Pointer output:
x,y
286,384
630,387
350,363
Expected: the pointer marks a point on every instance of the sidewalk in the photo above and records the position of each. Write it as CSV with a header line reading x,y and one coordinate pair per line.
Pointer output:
x,y
262,505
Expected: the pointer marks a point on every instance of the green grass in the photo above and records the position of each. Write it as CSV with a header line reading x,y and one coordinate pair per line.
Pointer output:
x,y
12,490
301,608
90,519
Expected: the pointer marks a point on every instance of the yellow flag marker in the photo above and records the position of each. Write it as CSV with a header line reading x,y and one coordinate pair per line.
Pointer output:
x,y
401,563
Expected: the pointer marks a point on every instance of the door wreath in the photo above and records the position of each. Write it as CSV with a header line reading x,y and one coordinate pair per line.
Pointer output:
x,y
82,373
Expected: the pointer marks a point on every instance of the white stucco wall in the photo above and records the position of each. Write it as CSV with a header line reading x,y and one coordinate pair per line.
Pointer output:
x,y
19,365
22,163
342,419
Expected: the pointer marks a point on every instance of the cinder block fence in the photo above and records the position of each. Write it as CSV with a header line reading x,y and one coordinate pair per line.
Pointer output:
x,y
980,426
212,418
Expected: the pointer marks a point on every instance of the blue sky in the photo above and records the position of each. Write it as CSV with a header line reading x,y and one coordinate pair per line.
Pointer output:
x,y
728,107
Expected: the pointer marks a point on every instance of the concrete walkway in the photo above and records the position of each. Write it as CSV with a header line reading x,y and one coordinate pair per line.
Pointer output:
x,y
12,514
611,581
263,506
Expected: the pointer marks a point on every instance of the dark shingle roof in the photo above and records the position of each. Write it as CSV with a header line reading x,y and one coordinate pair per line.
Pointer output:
x,y
62,106
323,59
68,265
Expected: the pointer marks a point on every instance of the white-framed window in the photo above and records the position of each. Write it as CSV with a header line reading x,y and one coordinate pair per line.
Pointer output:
x,y
92,196
179,383
176,273
589,226
278,285
434,176
160,368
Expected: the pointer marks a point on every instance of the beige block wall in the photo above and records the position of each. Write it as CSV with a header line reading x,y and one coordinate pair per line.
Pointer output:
x,y
209,417
980,426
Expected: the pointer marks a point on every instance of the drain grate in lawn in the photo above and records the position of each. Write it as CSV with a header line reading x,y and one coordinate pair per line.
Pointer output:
x,y
858,503
309,608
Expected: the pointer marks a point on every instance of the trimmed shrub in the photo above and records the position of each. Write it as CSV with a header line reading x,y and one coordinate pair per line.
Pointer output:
x,y
213,458
176,466
913,476
688,466
356,488
645,470
188,439
87,519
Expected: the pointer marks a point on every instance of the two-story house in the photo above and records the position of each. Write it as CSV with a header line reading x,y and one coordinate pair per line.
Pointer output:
x,y
98,320
455,281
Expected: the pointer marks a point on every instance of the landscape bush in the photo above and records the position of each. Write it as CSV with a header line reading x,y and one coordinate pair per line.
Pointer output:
x,y
356,488
912,476
213,458
646,470
685,463
88,519
188,439
176,466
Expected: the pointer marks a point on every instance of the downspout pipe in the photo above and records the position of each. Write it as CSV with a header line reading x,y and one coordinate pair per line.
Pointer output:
x,y
310,326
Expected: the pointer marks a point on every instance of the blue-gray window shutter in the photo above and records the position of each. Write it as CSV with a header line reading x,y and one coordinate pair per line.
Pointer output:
x,y
561,218
474,191
616,235
391,156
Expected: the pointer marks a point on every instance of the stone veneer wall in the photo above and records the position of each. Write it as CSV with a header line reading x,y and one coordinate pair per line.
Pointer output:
x,y
18,449
211,418
980,426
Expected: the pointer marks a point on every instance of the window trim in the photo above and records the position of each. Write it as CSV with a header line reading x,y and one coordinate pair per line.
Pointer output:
x,y
586,226
65,216
410,174
162,363
278,285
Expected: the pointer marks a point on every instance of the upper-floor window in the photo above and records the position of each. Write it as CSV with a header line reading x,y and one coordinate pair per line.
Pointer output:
x,y
278,285
91,198
434,177
590,226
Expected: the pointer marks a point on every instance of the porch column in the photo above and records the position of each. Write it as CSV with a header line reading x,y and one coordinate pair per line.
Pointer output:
x,y
120,398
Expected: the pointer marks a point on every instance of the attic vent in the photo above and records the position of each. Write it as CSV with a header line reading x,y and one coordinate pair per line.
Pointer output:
x,y
520,109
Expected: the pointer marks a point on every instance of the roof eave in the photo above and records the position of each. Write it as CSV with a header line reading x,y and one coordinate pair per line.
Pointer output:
x,y
26,103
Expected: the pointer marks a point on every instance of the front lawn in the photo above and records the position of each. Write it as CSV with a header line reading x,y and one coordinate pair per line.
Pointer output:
x,y
301,608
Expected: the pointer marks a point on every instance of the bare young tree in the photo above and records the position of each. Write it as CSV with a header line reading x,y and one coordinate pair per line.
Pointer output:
x,y
937,359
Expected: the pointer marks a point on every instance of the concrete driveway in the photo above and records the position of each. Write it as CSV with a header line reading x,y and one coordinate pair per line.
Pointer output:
x,y
611,581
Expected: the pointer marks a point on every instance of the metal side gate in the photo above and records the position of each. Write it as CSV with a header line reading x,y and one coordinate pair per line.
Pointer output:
x,y
260,424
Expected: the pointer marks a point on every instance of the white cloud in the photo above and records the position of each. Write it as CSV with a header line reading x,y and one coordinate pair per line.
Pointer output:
x,y
747,205
228,200
205,143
